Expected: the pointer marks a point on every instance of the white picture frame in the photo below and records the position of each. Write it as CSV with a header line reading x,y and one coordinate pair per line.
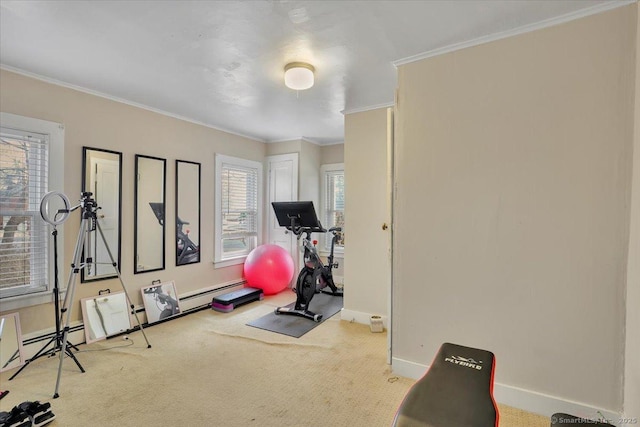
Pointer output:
x,y
105,315
160,301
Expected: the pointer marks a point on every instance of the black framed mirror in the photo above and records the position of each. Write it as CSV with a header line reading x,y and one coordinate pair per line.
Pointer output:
x,y
102,176
187,212
149,214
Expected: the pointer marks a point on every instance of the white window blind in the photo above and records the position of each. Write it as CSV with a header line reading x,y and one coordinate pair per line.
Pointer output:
x,y
333,203
238,201
23,234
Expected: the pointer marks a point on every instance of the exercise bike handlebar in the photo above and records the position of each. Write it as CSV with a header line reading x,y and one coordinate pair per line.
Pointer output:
x,y
297,230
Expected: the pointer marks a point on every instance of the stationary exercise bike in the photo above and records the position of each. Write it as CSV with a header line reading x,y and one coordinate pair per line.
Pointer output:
x,y
314,277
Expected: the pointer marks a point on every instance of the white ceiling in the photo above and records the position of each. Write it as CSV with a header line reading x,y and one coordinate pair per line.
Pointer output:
x,y
220,63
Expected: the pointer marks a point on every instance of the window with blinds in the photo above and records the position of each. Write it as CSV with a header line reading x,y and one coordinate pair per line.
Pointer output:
x,y
23,234
333,201
238,200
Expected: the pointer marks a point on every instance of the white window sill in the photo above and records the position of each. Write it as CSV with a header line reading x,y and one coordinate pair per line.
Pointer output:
x,y
229,262
21,301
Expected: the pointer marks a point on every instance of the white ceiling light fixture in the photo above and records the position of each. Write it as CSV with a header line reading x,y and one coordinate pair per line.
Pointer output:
x,y
298,75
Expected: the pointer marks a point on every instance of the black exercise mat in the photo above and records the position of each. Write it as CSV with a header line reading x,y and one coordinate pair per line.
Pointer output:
x,y
296,326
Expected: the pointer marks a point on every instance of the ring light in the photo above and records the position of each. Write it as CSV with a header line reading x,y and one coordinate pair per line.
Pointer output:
x,y
44,208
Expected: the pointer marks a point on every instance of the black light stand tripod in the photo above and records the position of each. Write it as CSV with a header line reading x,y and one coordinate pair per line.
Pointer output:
x,y
88,225
56,340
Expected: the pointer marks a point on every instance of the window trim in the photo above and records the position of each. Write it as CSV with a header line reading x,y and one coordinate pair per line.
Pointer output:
x,y
55,131
218,260
326,242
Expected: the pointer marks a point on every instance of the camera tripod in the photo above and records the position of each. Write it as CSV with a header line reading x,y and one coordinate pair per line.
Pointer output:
x,y
88,225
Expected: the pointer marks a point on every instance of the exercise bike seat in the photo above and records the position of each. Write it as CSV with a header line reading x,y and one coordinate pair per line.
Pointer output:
x,y
457,390
336,229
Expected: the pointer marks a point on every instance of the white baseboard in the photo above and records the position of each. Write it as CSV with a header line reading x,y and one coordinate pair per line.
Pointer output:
x,y
407,369
531,401
547,405
360,317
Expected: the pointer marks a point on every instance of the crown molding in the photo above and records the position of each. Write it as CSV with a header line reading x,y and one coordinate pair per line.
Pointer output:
x,y
122,101
588,11
367,108
305,139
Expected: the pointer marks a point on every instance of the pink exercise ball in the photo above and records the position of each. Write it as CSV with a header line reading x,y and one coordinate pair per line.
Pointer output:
x,y
268,267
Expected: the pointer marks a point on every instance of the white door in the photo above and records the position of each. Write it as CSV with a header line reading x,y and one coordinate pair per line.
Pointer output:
x,y
283,187
105,187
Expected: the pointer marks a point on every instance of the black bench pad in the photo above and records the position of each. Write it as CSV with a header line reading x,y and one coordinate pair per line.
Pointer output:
x,y
457,390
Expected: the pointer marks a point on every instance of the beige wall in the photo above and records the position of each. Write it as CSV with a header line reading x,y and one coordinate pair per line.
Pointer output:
x,y
512,211
284,147
331,154
309,174
101,123
365,158
632,349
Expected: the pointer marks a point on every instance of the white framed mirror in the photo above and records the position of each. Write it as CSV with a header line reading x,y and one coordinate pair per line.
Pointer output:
x,y
102,176
105,315
149,213
11,351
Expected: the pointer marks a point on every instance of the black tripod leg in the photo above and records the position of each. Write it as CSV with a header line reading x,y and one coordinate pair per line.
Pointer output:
x,y
39,354
72,346
69,343
72,356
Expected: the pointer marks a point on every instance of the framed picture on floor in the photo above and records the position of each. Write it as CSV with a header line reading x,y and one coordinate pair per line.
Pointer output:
x,y
160,301
105,315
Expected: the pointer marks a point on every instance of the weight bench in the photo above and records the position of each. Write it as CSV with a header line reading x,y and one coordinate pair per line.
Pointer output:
x,y
227,302
457,390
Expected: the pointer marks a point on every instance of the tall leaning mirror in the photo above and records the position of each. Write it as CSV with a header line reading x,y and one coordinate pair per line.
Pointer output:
x,y
149,214
187,212
102,176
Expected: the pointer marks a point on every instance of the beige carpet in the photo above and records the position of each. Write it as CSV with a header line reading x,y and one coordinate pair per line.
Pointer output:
x,y
210,369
